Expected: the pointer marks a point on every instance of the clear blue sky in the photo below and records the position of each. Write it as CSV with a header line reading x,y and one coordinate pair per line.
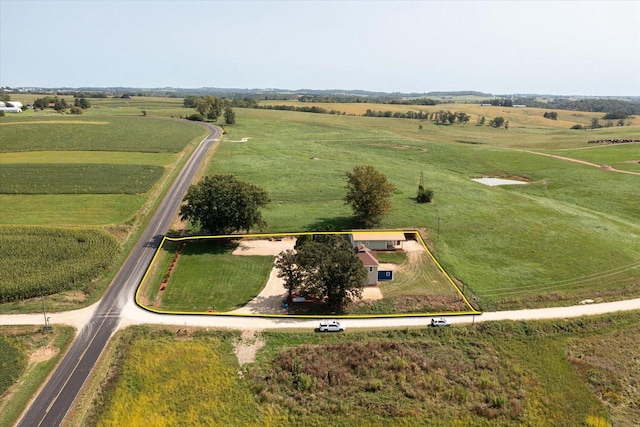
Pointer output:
x,y
505,47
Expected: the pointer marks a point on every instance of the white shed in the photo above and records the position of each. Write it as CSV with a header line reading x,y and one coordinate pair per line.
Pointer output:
x,y
378,240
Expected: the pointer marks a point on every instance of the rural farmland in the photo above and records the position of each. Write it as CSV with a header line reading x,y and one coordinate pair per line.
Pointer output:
x,y
507,247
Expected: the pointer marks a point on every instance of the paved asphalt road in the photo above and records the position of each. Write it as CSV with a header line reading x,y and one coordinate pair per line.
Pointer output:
x,y
51,405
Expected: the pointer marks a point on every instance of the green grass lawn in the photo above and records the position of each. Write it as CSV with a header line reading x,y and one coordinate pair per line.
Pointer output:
x,y
557,238
397,257
208,276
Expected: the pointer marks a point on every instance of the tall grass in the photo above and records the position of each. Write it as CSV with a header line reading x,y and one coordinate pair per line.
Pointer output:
x,y
497,373
28,339
187,382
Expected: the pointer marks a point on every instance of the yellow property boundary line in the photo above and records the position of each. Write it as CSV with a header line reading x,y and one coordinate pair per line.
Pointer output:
x,y
307,316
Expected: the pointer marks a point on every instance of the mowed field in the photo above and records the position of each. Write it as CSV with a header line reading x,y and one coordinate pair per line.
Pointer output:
x,y
501,373
208,277
74,182
572,232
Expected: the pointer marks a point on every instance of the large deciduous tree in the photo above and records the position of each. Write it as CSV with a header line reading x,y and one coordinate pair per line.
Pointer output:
x,y
221,204
325,266
369,195
229,115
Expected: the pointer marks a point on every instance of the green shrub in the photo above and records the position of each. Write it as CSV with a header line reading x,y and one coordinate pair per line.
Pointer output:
x,y
424,195
197,117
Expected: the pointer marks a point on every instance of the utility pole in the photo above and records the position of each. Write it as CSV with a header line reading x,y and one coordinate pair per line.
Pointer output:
x,y
44,313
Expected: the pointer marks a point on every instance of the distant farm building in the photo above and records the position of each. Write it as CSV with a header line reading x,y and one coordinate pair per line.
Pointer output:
x,y
519,105
485,105
11,107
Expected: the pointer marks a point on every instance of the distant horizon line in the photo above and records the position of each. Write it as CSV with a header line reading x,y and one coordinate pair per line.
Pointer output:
x,y
346,92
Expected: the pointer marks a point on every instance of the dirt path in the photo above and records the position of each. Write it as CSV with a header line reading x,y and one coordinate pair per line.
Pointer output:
x,y
248,345
264,246
583,162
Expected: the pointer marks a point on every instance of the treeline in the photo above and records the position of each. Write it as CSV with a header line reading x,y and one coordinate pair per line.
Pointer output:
x,y
312,109
441,117
500,102
355,99
613,141
614,107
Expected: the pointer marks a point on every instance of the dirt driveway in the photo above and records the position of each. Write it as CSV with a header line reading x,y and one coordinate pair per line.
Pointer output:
x,y
269,300
264,246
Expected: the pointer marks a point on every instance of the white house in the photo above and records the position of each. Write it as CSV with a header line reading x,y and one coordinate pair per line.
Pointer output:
x,y
370,262
378,240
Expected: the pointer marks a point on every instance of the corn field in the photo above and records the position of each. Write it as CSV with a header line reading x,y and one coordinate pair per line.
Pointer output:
x,y
38,261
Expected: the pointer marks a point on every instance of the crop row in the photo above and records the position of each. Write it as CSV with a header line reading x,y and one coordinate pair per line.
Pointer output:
x,y
31,178
118,134
38,261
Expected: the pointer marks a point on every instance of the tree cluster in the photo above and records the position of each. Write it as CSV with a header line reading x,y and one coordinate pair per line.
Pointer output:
x,y
595,123
82,103
58,104
616,115
498,122
550,115
324,266
221,204
442,117
210,107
